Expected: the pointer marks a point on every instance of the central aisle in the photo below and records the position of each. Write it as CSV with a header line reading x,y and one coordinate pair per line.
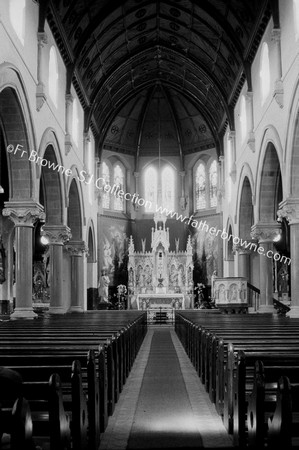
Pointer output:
x,y
163,403
163,417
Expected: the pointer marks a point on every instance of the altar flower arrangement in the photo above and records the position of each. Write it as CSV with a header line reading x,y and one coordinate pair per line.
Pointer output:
x,y
121,289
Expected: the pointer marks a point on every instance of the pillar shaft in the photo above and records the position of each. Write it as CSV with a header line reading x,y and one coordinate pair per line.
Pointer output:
x,y
294,238
77,249
266,276
244,265
23,214
265,233
57,235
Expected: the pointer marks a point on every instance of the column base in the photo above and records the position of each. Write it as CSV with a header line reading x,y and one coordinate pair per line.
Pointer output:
x,y
57,310
264,309
294,312
76,309
23,313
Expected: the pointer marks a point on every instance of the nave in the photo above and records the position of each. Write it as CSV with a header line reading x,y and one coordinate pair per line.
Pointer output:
x,y
108,380
164,404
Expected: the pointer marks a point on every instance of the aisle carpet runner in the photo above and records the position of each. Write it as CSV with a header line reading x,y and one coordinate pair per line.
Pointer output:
x,y
163,417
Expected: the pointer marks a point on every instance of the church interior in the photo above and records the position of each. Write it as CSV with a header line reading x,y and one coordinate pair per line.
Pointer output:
x,y
149,224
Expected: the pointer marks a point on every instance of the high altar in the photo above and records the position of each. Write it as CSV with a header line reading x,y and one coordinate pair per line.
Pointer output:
x,y
160,278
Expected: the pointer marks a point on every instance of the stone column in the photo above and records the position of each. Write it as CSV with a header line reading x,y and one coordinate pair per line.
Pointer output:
x,y
24,215
68,122
265,233
232,169
250,115
183,199
290,210
77,249
40,89
243,260
278,88
57,235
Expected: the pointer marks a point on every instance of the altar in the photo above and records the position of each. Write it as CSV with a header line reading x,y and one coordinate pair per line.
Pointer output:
x,y
174,301
160,277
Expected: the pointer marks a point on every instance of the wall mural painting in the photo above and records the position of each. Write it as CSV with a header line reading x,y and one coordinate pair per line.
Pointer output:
x,y
114,256
205,254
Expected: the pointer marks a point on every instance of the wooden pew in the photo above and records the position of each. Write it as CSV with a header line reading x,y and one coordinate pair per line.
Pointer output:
x,y
221,367
48,344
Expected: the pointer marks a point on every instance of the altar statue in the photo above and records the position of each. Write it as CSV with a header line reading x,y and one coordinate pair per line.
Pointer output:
x,y
103,286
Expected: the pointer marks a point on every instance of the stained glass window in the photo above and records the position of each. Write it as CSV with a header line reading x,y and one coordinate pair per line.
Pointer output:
x,y
106,176
200,187
168,188
213,184
150,188
118,179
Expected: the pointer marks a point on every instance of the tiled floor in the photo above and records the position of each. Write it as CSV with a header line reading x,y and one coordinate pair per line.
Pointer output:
x,y
207,421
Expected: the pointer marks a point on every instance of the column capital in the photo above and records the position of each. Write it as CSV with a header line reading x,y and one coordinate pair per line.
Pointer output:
x,y
69,99
238,248
276,34
136,174
249,96
76,248
289,209
87,136
42,38
56,234
265,232
24,213
182,173
231,135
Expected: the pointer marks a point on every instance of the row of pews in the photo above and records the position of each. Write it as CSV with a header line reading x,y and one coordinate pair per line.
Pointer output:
x,y
249,365
73,368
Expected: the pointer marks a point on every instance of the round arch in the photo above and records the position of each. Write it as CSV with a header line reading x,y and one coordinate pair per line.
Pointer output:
x,y
74,211
269,177
18,135
52,183
291,156
245,199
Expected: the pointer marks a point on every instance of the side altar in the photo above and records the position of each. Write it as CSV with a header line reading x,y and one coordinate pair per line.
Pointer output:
x,y
160,278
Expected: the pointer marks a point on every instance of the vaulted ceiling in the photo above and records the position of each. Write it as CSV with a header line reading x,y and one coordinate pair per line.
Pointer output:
x,y
144,67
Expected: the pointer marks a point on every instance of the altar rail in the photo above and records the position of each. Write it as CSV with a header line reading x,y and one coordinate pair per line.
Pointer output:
x,y
160,316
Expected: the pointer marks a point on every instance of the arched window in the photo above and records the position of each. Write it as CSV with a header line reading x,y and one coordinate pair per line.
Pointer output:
x,y
17,17
106,176
200,187
75,124
53,75
265,78
243,118
296,17
118,180
150,188
168,187
213,184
